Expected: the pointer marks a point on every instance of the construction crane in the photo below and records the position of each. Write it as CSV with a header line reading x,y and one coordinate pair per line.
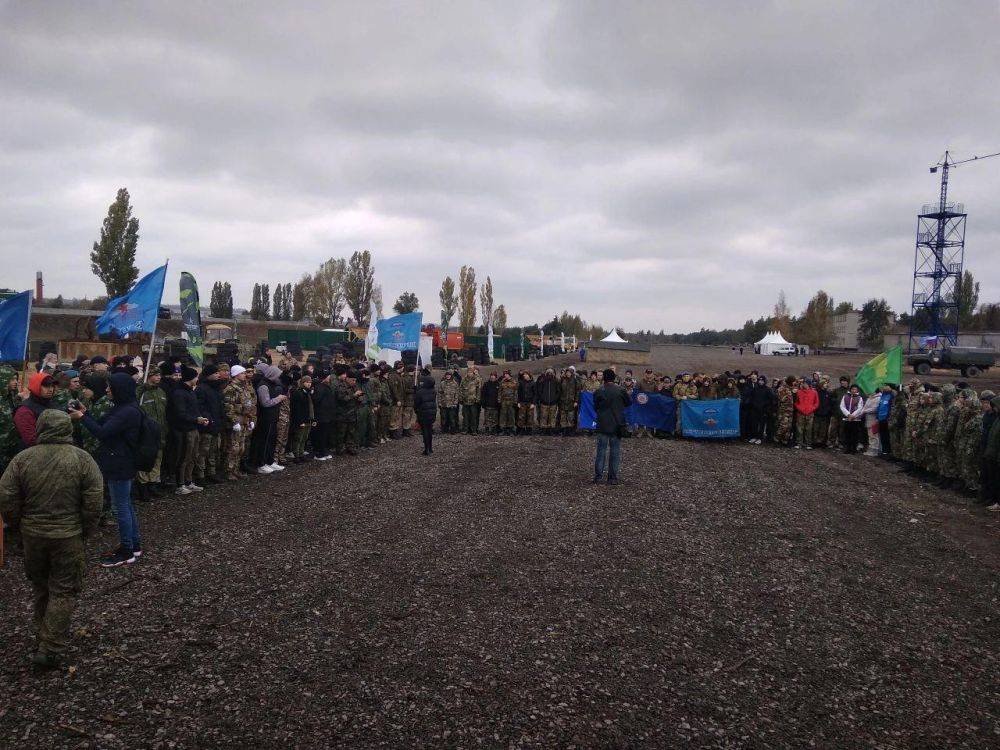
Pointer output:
x,y
937,265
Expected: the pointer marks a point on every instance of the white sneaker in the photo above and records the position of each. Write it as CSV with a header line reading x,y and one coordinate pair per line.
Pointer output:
x,y
751,441
194,488
182,490
277,467
265,470
324,458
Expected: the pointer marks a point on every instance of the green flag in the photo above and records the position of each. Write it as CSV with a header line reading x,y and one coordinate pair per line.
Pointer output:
x,y
191,318
886,367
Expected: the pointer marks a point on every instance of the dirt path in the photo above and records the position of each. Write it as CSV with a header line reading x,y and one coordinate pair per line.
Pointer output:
x,y
724,595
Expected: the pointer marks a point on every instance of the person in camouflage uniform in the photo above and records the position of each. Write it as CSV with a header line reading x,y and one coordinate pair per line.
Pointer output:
x,y
345,426
98,404
914,392
448,397
927,427
383,413
786,411
547,390
366,409
525,403
991,458
10,399
282,427
896,423
946,454
508,403
153,401
54,492
683,390
470,397
592,384
569,401
239,406
409,387
490,396
397,391
967,434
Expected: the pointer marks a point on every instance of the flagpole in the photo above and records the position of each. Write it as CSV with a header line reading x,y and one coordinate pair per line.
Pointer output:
x,y
156,320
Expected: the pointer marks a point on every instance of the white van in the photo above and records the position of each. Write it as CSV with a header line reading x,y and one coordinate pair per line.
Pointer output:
x,y
784,350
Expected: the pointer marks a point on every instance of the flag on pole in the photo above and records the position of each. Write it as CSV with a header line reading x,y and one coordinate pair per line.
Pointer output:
x,y
136,311
191,318
371,340
489,340
15,313
400,332
886,367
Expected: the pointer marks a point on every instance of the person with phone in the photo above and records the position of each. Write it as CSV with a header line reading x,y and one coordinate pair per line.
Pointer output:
x,y
610,402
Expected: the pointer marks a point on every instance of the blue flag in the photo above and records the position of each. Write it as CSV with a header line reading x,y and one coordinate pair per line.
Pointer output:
x,y
136,311
653,410
586,417
401,332
719,418
14,315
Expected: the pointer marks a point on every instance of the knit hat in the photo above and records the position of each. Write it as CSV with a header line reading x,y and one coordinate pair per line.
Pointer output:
x,y
71,374
209,370
36,381
236,370
188,373
987,395
98,360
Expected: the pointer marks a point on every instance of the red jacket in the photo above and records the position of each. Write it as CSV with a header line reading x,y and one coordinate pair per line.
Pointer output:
x,y
806,401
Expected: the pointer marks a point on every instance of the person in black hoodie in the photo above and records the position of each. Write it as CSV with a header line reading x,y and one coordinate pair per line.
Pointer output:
x,y
301,414
821,420
547,396
185,419
324,410
210,406
118,433
490,400
759,402
425,409
525,403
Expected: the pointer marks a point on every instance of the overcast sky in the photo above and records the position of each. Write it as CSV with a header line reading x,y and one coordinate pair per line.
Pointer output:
x,y
648,165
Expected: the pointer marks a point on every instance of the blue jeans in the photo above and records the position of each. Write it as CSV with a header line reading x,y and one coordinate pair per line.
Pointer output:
x,y
128,525
615,462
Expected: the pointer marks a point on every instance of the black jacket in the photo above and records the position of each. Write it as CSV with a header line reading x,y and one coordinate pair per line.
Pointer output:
x,y
298,407
324,403
547,390
490,396
210,405
425,402
760,397
610,402
118,430
184,416
827,403
525,391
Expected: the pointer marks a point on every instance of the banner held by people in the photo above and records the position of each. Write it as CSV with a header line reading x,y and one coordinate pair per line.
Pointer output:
x,y
717,418
191,318
15,316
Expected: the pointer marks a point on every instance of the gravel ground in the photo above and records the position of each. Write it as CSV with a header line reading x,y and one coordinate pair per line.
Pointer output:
x,y
722,596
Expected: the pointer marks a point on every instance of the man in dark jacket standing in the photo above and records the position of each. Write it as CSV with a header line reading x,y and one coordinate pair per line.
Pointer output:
x,y
610,402
55,492
425,409
210,406
118,434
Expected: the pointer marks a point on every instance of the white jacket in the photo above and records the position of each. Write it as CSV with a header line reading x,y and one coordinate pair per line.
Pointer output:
x,y
846,411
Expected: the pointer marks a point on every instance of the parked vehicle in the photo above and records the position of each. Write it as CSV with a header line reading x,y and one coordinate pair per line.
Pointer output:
x,y
789,350
970,361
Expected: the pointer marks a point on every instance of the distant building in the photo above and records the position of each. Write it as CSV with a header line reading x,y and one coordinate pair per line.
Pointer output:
x,y
845,330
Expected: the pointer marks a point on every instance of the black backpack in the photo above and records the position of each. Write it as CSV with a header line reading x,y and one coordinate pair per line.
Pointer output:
x,y
147,447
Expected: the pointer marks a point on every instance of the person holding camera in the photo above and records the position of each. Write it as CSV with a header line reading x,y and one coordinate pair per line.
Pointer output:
x,y
118,435
610,402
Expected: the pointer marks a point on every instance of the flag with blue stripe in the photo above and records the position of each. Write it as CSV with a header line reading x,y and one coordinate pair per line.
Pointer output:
x,y
136,311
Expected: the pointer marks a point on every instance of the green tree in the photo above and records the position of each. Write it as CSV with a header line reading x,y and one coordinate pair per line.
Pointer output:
x,y
816,325
467,299
301,297
500,320
226,298
781,321
876,315
255,303
843,308
265,301
59,302
967,295
359,285
326,298
449,302
486,300
406,303
278,306
113,258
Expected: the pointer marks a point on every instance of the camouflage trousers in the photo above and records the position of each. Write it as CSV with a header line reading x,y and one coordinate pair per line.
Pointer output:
x,y
232,451
947,461
55,568
402,418
525,415
366,427
297,444
284,418
833,434
969,466
153,475
382,419
491,418
567,416
547,416
804,429
508,416
470,418
345,436
784,433
208,456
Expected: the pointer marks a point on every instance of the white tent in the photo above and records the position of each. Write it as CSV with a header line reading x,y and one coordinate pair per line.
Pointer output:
x,y
614,338
771,342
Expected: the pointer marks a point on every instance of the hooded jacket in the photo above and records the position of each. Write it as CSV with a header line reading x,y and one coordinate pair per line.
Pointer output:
x,y
53,489
425,401
118,430
27,414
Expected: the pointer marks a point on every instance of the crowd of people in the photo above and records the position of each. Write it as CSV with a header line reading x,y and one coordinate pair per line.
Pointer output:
x,y
68,440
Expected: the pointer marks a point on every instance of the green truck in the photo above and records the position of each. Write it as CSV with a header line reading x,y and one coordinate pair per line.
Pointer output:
x,y
968,360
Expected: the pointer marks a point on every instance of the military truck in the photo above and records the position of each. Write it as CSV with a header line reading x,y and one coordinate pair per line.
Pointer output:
x,y
970,361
